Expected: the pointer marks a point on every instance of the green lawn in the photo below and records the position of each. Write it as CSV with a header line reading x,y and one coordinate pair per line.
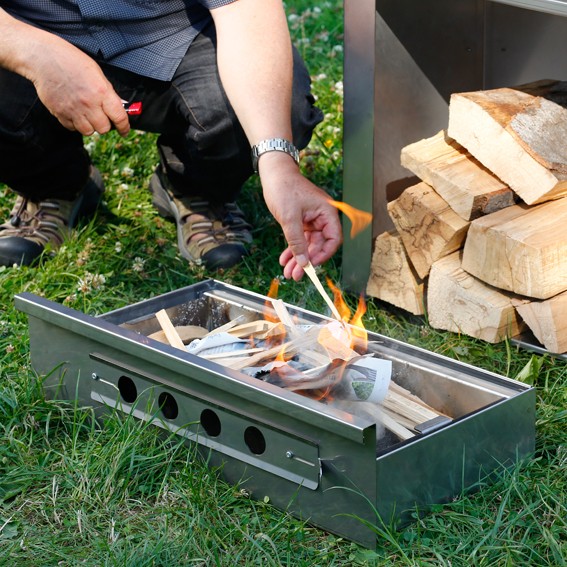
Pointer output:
x,y
72,493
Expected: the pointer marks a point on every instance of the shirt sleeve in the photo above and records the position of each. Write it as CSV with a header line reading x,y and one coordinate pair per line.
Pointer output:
x,y
212,4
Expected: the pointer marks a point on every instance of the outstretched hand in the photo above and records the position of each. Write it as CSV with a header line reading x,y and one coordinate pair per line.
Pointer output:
x,y
309,221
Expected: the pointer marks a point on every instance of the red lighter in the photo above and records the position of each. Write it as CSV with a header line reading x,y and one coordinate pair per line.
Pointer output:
x,y
133,108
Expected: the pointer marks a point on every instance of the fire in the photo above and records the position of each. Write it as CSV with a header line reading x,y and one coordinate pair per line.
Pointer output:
x,y
359,333
359,219
358,330
272,294
339,301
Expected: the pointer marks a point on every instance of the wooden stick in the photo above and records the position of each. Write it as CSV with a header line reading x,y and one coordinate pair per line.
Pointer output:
x,y
236,353
226,327
283,314
187,333
253,328
310,271
396,427
169,330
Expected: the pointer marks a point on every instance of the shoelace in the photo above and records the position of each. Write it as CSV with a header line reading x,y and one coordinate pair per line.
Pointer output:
x,y
45,229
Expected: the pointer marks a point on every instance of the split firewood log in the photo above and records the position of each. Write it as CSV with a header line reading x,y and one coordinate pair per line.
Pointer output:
x,y
458,302
518,134
427,225
392,277
521,249
461,180
548,321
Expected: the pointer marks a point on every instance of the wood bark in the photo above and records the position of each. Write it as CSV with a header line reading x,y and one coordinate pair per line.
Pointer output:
x,y
462,181
548,321
521,249
392,277
460,303
518,134
428,227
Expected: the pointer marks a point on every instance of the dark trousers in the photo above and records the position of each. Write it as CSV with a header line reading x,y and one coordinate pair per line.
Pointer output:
x,y
202,146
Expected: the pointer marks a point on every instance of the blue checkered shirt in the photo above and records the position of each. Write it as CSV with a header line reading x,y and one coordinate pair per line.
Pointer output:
x,y
148,37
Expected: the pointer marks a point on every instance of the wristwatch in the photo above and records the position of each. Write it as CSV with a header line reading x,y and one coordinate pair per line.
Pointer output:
x,y
273,145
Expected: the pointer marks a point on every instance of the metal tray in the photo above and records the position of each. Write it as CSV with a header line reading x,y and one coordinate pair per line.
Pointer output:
x,y
330,467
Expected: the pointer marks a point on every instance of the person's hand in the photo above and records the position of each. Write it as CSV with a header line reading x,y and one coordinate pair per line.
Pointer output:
x,y
74,89
309,222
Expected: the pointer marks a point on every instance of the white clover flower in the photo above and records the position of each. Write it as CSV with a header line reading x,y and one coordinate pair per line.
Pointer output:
x,y
124,186
127,171
98,281
118,247
84,285
339,88
138,265
292,18
90,282
338,48
320,77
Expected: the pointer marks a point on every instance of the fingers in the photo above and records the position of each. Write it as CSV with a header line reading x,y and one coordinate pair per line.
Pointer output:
x,y
117,116
291,269
321,247
102,120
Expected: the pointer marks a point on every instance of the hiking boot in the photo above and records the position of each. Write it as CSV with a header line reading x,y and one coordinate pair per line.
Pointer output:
x,y
36,226
214,235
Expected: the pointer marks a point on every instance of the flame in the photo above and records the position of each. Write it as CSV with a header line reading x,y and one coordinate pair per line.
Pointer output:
x,y
338,340
272,294
339,301
358,331
274,287
359,219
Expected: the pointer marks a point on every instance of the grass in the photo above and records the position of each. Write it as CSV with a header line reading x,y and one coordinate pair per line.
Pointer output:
x,y
73,493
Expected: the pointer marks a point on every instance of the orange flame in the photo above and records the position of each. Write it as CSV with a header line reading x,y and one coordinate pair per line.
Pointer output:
x,y
272,294
274,287
359,331
339,301
359,219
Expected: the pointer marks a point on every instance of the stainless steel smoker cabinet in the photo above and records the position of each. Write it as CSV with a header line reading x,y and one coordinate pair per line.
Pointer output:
x,y
330,467
403,59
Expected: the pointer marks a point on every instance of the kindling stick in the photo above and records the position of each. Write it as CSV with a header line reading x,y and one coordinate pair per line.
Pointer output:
x,y
310,271
169,330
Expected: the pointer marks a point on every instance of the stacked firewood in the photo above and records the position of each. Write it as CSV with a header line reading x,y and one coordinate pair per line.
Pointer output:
x,y
480,243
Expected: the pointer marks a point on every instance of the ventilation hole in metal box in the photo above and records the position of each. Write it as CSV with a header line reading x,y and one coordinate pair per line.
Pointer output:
x,y
127,389
255,440
168,405
211,423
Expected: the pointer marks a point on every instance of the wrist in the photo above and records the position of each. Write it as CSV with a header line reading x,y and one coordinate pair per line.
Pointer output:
x,y
273,146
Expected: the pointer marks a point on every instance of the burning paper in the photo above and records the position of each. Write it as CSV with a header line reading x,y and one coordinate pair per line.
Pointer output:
x,y
363,378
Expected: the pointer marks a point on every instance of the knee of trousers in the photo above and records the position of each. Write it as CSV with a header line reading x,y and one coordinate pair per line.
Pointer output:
x,y
38,156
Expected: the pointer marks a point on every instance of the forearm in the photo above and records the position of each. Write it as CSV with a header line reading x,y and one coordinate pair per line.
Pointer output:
x,y
18,43
255,65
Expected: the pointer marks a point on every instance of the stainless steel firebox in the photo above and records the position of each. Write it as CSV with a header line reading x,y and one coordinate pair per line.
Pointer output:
x,y
329,467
